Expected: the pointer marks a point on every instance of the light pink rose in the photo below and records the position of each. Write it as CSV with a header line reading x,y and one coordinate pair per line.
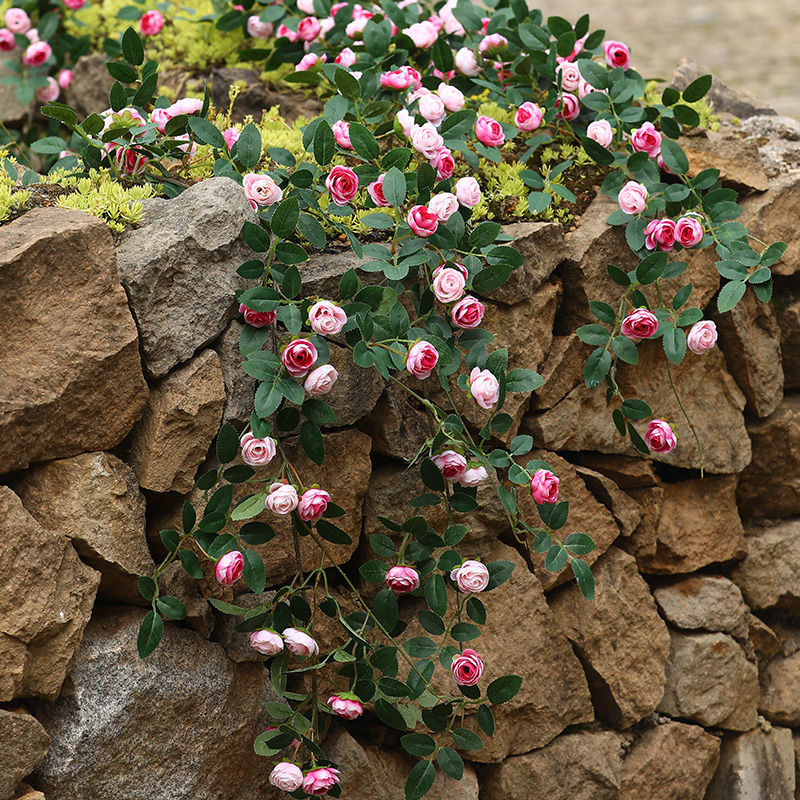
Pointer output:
x,y
286,776
7,40
151,23
341,133
282,499
375,191
544,486
257,452
584,88
160,117
285,32
452,98
601,132
660,233
308,29
345,705
484,387
423,34
268,643
466,62
356,28
570,76
320,380
425,139
326,318
689,231
186,105
299,643
342,183
261,190
575,50
492,43
421,359
17,21
422,222
257,319
448,284
432,108
444,205
33,35
660,437
646,139
528,117
489,131
229,568
397,79
702,336
632,198
64,78
36,54
405,121
470,577
306,6
258,29
617,54
569,107
467,668
49,93
467,313
231,136
402,579
473,476
444,163
468,192
452,465
312,505
346,58
320,780
639,324
309,61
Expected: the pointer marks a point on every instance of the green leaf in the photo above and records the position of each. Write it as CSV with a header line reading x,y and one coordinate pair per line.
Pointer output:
x,y
625,349
332,533
171,607
501,690
249,507
419,647
579,543
227,443
597,366
436,594
347,84
312,442
636,409
730,294
364,143
324,143
285,217
132,47
499,573
465,739
596,151
147,587
385,609
256,533
418,744
190,564
521,445
150,632
773,254
389,715
255,237
378,220
486,720
431,475
593,334
373,571
188,516
523,380
255,574
122,72
637,440
584,578
491,278
247,149
448,760
442,55
419,780
674,341
556,558
206,132
674,157
291,253
394,187
697,89
465,631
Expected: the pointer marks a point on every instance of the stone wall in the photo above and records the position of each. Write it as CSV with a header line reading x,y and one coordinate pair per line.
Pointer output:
x,y
118,362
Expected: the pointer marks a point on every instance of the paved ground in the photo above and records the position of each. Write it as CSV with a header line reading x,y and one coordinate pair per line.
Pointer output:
x,y
749,44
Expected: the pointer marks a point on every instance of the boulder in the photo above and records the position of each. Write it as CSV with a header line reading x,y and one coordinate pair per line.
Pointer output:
x,y
704,602
95,501
778,140
582,421
628,472
181,419
92,383
672,761
586,765
737,159
239,386
562,371
25,743
788,316
45,603
780,691
179,270
710,681
113,728
626,511
755,765
397,424
769,575
770,485
12,112
194,594
766,644
356,390
91,84
620,639
236,643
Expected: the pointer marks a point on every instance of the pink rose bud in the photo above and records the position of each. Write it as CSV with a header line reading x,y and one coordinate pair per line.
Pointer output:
x,y
186,105
321,380
257,452
452,98
64,78
639,324
402,579
229,568
342,183
473,476
544,486
345,705
306,6
423,34
570,76
286,776
660,437
284,32
466,62
261,190
74,4
468,192
632,198
258,29
617,54
601,132
659,233
484,387
341,133
312,505
33,35
702,336
397,80
569,107
308,29
444,205
266,642
36,54
470,577
309,61
298,357
257,319
282,499
326,318
299,643
7,41
646,139
151,23
452,465
489,131
422,222
528,117
346,58
444,164
320,780
448,284
49,93
17,21
421,359
467,313
467,668
492,43
406,121
432,108
425,139
375,191
689,231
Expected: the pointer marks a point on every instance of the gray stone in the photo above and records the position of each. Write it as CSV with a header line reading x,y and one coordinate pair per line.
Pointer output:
x,y
356,390
737,159
788,316
780,691
704,602
91,84
179,270
25,743
239,386
113,729
778,141
11,110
